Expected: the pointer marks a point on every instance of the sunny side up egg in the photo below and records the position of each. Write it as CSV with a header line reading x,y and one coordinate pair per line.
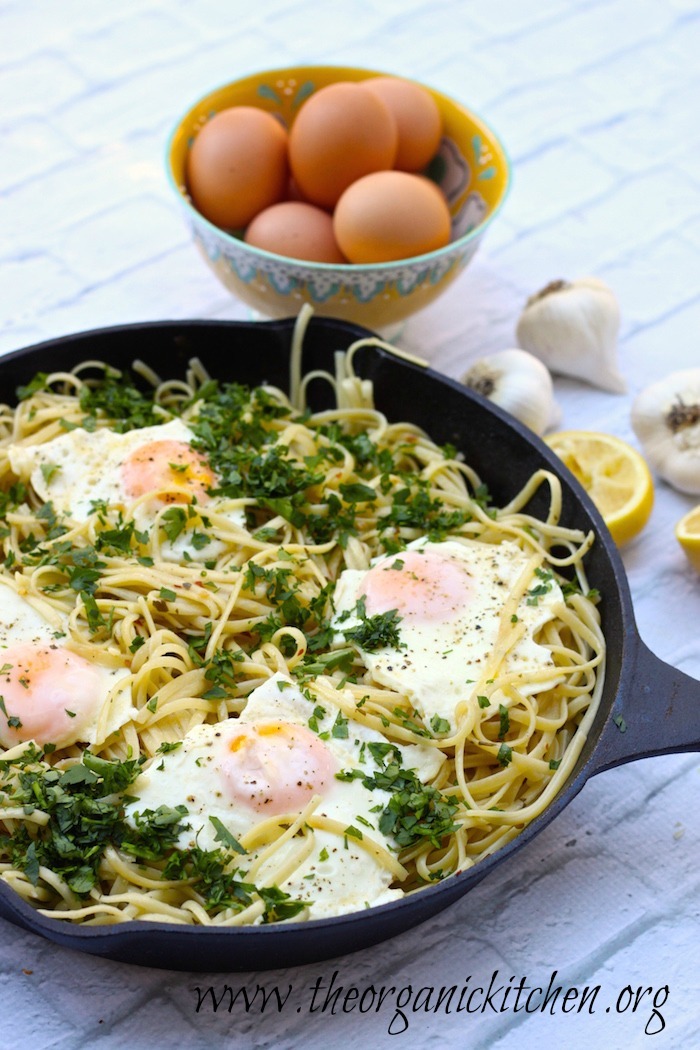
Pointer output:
x,y
141,471
273,760
50,693
452,600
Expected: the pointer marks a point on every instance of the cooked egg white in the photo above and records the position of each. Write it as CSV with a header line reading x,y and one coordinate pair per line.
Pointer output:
x,y
51,693
452,599
141,472
25,619
283,751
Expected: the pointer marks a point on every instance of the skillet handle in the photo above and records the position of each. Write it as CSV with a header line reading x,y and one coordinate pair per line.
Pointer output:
x,y
657,713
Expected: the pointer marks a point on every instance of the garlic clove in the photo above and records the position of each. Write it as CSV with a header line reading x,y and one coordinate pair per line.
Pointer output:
x,y
665,417
572,327
519,383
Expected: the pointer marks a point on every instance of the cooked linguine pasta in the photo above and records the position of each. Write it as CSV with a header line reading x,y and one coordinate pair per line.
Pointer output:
x,y
222,578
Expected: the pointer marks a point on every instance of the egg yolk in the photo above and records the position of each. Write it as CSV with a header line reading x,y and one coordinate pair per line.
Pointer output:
x,y
422,586
49,694
167,465
276,767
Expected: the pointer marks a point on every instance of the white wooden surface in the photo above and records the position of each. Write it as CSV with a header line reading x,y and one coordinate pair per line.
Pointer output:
x,y
598,105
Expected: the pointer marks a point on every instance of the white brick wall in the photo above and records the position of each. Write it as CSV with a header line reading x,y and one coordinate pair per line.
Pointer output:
x,y
598,104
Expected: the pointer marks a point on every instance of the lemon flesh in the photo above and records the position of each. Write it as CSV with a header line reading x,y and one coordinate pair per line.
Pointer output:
x,y
615,476
688,535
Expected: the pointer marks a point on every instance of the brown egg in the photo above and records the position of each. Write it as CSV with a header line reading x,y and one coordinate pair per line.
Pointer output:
x,y
417,117
391,215
341,133
296,229
237,166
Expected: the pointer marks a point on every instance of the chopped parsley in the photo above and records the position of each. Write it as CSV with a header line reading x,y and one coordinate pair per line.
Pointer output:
x,y
505,755
413,507
224,836
539,590
85,808
115,397
439,725
376,632
82,817
414,811
219,669
339,729
504,724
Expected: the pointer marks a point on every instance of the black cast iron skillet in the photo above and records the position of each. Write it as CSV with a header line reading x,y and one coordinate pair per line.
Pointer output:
x,y
648,707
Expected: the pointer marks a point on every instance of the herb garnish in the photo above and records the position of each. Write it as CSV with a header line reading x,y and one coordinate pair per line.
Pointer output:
x,y
375,632
414,811
85,809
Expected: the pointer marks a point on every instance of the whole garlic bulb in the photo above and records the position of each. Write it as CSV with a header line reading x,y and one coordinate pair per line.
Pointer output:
x,y
572,326
518,382
666,419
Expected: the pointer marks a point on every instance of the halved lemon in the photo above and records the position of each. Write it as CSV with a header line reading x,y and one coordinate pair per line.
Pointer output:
x,y
688,535
614,474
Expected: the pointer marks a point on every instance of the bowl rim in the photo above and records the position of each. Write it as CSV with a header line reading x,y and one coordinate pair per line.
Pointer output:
x,y
348,269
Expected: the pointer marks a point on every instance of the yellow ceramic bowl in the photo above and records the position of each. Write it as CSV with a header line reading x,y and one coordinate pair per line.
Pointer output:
x,y
471,167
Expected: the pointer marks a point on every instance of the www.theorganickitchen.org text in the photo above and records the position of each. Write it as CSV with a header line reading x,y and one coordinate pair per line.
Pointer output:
x,y
401,1004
